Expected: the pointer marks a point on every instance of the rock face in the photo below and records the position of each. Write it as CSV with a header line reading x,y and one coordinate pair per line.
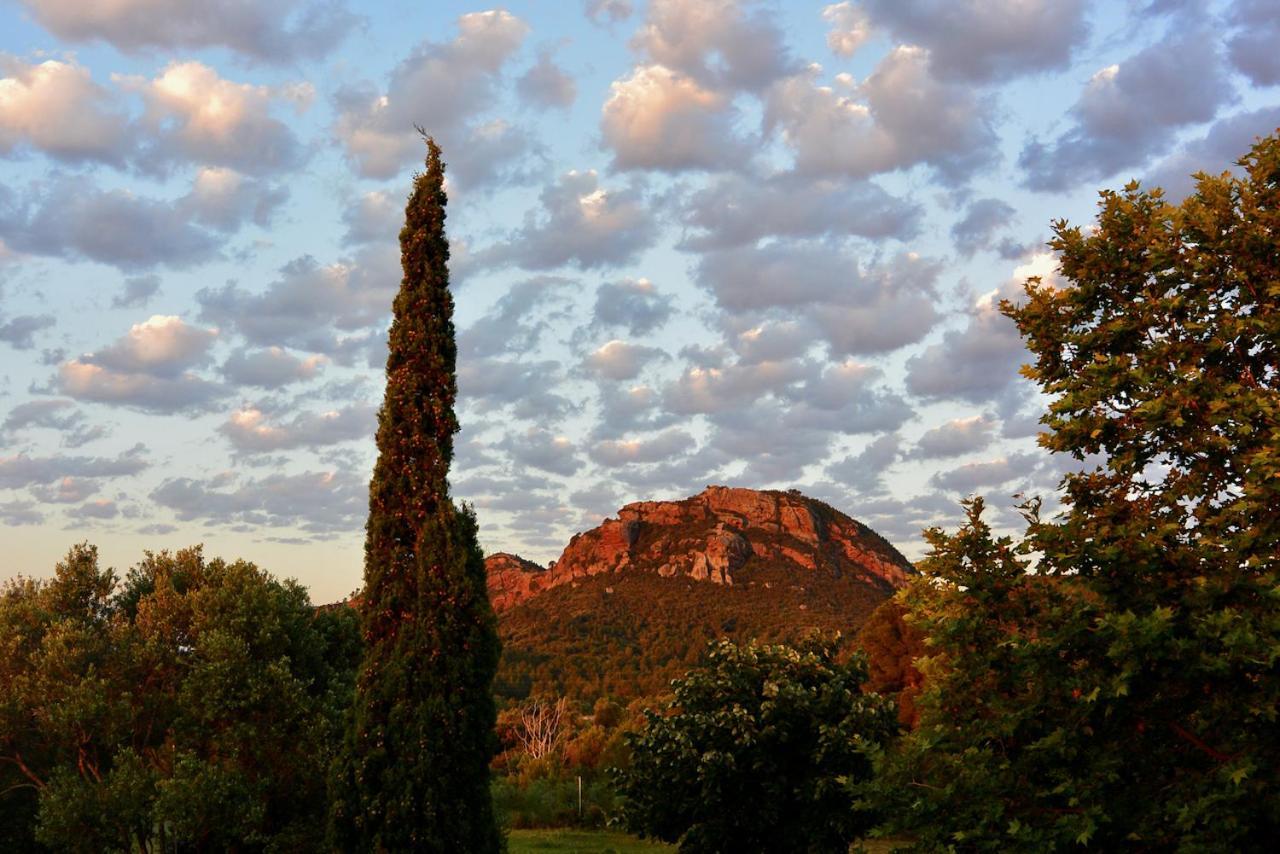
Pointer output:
x,y
722,535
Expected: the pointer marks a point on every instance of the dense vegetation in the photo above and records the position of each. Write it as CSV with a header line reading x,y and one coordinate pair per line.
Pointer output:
x,y
628,635
192,706
761,748
1125,693
414,770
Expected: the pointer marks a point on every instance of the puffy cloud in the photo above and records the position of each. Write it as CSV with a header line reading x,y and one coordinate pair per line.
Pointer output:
x,y
898,117
634,304
518,319
136,292
192,114
622,410
971,477
525,386
843,398
300,308
859,311
541,449
59,415
954,438
102,508
68,490
146,392
720,43
17,513
442,86
55,107
580,224
864,471
76,220
546,84
1253,46
660,119
1128,111
251,432
270,368
982,219
610,11
736,210
19,332
147,369
162,346
618,360
1215,152
320,503
280,32
986,40
375,215
658,448
223,200
23,470
979,363
850,27
728,387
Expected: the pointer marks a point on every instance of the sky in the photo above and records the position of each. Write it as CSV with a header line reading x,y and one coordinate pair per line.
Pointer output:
x,y
693,241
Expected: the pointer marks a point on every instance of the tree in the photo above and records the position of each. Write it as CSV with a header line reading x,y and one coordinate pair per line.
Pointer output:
x,y
194,706
892,646
764,748
1134,680
414,774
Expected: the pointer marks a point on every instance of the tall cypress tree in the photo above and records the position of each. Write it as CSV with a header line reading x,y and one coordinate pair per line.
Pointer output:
x,y
414,770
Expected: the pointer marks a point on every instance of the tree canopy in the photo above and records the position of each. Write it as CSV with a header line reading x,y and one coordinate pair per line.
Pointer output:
x,y
194,704
1124,693
761,749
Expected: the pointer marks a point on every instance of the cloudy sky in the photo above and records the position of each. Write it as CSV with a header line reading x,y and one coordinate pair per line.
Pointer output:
x,y
694,241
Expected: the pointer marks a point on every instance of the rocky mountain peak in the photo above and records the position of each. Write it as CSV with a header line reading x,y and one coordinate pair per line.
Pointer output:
x,y
723,535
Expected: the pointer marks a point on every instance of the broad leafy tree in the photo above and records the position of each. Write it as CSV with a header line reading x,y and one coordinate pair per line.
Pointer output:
x,y
1126,694
414,775
193,706
761,749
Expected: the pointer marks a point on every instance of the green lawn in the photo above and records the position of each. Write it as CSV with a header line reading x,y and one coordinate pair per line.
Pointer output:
x,y
602,841
581,842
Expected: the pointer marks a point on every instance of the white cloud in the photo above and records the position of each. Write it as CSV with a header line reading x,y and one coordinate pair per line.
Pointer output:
x,y
1129,110
193,114
721,43
618,360
251,431
55,107
580,223
282,31
900,116
546,84
660,119
850,27
162,346
658,448
986,40
956,437
441,86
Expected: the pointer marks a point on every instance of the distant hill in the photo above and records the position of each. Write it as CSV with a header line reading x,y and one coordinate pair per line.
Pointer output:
x,y
631,604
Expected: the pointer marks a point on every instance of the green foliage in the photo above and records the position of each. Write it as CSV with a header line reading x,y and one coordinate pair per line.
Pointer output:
x,y
764,748
1126,695
629,635
196,705
413,774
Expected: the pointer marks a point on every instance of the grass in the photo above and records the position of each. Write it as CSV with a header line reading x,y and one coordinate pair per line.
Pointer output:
x,y
610,842
581,842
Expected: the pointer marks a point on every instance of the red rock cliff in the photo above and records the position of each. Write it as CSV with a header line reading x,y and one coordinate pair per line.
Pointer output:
x,y
721,535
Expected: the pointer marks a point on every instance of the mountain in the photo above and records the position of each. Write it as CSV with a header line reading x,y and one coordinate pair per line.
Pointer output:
x,y
631,604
